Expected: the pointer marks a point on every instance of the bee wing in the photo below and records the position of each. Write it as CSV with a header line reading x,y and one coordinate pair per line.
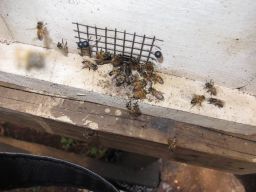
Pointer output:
x,y
191,107
35,39
34,28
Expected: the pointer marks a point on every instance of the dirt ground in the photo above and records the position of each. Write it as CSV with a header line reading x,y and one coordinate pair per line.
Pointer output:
x,y
175,177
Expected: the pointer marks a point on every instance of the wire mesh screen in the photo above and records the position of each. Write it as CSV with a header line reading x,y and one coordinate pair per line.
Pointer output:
x,y
117,42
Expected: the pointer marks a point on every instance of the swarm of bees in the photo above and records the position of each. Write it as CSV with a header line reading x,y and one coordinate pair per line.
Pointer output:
x,y
128,72
211,89
63,47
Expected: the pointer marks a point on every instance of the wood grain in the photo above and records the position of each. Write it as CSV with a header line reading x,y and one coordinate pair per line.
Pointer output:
x,y
115,128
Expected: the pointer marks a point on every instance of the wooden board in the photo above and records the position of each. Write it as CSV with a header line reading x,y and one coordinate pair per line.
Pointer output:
x,y
64,77
115,128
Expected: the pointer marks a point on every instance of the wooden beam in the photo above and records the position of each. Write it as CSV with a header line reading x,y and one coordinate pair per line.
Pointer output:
x,y
146,175
64,77
113,127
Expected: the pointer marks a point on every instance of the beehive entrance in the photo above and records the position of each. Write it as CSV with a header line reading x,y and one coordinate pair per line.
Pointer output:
x,y
118,42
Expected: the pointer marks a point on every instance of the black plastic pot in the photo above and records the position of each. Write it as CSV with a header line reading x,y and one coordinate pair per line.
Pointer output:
x,y
23,170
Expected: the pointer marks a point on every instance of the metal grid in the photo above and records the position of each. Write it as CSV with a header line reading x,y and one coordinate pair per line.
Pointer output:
x,y
117,42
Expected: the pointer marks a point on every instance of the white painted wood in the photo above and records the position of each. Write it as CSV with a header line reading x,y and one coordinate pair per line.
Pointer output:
x,y
5,33
64,76
203,39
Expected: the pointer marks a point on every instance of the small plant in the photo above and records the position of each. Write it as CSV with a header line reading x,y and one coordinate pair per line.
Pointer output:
x,y
35,189
67,143
96,152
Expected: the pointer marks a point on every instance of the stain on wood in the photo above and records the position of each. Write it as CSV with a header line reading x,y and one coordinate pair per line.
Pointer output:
x,y
145,135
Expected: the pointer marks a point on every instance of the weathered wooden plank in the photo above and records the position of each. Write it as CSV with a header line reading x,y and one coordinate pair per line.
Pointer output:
x,y
147,174
115,128
64,77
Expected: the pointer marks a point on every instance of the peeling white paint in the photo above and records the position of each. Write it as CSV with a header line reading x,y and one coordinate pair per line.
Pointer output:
x,y
65,119
118,112
91,124
107,110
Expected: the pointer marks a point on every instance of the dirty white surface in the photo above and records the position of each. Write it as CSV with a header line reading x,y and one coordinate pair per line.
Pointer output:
x,y
203,39
64,76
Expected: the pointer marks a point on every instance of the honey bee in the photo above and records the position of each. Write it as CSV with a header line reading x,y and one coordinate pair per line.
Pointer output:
x,y
103,57
63,47
146,76
139,94
217,102
129,105
146,69
89,63
210,88
117,60
41,30
149,67
131,79
133,109
134,63
120,79
156,94
136,110
114,72
172,142
139,84
197,100
157,78
59,45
